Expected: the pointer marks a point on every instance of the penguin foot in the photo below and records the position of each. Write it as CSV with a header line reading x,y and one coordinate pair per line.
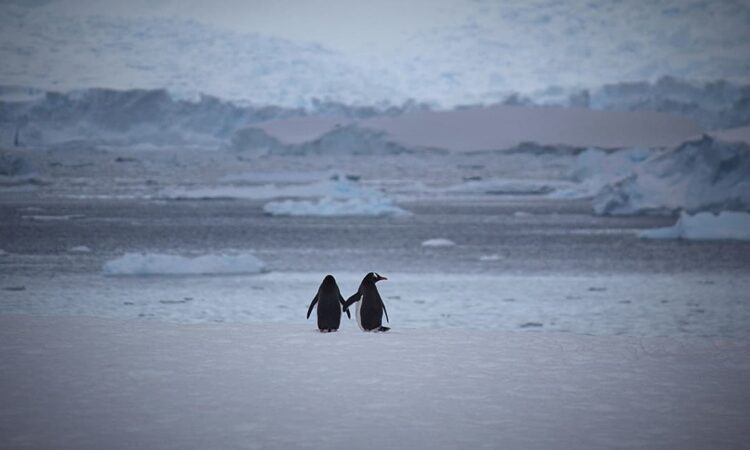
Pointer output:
x,y
382,329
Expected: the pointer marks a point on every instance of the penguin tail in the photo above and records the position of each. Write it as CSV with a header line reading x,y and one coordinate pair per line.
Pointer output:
x,y
383,329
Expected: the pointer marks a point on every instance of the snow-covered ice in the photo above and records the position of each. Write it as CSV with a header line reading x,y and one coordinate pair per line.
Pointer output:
x,y
163,264
79,249
91,383
438,242
705,226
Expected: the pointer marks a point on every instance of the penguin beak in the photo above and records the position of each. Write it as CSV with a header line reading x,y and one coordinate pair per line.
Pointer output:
x,y
380,278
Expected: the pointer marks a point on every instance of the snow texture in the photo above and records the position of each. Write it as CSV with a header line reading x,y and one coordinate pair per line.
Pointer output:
x,y
698,175
705,226
92,383
163,264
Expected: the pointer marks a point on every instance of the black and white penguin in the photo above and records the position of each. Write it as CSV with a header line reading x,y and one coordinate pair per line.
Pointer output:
x,y
371,307
329,302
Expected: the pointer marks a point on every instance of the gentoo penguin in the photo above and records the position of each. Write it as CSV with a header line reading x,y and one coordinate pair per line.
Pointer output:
x,y
370,310
329,302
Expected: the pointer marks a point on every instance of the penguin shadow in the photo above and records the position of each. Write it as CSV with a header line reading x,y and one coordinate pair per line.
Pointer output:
x,y
369,306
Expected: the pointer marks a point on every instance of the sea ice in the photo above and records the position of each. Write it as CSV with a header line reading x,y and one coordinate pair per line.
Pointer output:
x,y
163,264
82,382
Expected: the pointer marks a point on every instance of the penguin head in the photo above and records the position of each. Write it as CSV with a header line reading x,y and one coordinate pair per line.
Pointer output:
x,y
374,277
329,280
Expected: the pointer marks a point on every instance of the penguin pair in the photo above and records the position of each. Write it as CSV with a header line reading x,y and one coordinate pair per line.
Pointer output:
x,y
370,306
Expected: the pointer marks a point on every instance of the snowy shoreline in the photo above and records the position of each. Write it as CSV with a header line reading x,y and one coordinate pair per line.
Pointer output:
x,y
82,382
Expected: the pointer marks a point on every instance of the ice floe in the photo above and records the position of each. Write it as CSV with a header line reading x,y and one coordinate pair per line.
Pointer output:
x,y
438,242
165,264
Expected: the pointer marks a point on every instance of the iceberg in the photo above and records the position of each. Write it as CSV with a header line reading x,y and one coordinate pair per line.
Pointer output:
x,y
698,175
438,242
705,226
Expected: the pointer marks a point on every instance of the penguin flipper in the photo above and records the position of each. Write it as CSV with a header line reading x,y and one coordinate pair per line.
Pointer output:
x,y
352,300
343,303
386,314
312,305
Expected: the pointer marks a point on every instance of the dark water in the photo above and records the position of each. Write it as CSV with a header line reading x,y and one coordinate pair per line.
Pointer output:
x,y
528,236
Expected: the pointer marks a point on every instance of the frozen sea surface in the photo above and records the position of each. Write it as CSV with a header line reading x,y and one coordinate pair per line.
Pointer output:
x,y
93,383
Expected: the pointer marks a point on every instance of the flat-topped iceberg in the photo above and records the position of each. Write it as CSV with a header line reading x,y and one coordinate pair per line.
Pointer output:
x,y
705,226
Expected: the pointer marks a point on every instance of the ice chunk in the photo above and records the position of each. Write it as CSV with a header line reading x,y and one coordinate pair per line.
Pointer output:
x,y
79,249
705,225
594,168
164,264
438,242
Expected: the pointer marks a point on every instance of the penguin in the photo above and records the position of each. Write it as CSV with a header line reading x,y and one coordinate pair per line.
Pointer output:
x,y
370,310
329,302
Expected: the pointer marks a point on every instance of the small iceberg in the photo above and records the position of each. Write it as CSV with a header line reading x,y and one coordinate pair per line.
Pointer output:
x,y
438,242
705,225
